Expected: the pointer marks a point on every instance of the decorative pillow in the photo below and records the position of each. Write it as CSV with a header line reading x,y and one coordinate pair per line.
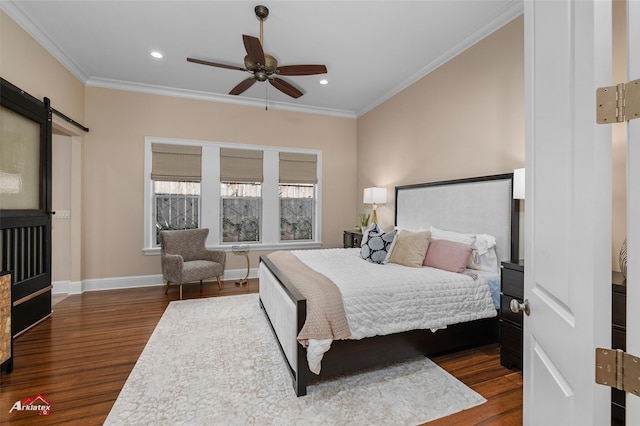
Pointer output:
x,y
484,256
439,234
365,232
410,248
377,245
448,255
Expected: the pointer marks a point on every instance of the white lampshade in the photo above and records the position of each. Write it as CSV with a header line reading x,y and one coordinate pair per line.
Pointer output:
x,y
518,184
375,196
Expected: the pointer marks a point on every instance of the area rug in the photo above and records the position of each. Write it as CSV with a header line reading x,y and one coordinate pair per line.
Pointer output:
x,y
215,362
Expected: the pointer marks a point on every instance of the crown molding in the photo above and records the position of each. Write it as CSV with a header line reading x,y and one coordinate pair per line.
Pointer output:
x,y
206,96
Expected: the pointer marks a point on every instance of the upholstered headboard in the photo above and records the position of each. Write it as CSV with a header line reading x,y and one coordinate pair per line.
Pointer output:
x,y
482,205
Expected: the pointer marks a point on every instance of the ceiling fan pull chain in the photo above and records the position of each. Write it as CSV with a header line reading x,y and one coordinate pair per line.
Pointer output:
x,y
266,94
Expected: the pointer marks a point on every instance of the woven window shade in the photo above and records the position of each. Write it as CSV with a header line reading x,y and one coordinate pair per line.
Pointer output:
x,y
176,162
240,165
298,168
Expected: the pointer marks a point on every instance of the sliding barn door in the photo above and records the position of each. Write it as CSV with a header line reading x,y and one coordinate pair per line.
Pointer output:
x,y
25,203
567,212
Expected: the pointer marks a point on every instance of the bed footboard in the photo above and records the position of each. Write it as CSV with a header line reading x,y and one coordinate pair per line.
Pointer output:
x,y
286,309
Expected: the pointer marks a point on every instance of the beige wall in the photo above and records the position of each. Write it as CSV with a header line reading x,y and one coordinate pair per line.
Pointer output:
x,y
112,152
26,64
113,178
464,119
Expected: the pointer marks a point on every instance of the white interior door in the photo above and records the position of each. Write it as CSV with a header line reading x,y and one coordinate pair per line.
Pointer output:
x,y
633,208
567,212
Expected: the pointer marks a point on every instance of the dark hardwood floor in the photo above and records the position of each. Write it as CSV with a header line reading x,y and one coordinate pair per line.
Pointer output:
x,y
81,356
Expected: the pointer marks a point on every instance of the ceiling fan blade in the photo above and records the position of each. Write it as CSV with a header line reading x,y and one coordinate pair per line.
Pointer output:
x,y
285,87
215,64
302,70
254,49
242,86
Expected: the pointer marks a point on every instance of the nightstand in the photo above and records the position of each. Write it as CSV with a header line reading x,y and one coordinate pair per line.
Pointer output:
x,y
511,287
352,239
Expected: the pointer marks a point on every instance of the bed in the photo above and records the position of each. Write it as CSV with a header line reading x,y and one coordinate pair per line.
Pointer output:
x,y
474,206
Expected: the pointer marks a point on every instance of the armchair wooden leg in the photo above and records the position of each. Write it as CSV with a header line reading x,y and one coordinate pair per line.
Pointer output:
x,y
219,283
180,291
166,289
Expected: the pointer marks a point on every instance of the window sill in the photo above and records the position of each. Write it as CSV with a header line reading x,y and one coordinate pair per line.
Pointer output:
x,y
155,251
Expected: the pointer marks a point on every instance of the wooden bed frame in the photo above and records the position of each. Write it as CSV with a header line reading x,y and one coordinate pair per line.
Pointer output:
x,y
348,356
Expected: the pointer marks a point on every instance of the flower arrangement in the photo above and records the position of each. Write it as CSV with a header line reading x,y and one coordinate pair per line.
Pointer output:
x,y
364,220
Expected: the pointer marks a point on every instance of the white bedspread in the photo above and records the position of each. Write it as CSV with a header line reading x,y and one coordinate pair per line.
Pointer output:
x,y
390,298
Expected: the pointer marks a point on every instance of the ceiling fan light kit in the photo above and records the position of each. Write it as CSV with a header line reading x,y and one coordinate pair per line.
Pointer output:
x,y
263,66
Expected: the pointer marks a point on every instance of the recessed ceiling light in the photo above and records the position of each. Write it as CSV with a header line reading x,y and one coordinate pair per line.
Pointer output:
x,y
324,81
156,54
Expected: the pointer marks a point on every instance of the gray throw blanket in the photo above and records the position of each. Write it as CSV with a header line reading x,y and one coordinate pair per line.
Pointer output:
x,y
326,318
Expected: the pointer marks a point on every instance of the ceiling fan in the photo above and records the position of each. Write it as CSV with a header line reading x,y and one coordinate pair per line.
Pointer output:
x,y
263,66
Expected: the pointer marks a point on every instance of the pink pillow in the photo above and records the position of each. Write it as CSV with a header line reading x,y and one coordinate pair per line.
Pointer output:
x,y
448,255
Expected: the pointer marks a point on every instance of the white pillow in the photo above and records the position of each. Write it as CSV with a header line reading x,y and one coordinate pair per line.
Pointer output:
x,y
414,230
484,256
439,234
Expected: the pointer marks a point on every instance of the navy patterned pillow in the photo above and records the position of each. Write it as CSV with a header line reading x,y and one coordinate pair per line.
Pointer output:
x,y
377,245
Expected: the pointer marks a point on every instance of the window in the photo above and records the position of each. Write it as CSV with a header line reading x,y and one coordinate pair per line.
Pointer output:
x,y
177,205
297,177
264,196
296,212
241,179
176,173
241,208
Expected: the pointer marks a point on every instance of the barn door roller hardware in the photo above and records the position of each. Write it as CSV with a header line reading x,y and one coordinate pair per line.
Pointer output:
x,y
619,103
618,369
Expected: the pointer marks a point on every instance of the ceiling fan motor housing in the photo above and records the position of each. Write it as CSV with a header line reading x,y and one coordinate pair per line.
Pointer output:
x,y
269,67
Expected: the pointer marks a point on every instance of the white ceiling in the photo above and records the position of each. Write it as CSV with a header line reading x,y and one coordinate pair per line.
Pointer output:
x,y
372,49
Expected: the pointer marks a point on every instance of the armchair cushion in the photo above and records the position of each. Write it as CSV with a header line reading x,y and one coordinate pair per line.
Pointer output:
x,y
195,270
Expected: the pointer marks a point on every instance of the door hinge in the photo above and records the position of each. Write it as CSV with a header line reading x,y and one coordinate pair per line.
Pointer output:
x,y
618,369
615,104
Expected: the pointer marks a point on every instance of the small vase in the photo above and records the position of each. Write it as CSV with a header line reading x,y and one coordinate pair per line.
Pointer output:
x,y
623,258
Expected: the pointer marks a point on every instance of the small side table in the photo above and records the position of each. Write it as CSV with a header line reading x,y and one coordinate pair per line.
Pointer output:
x,y
242,250
352,239
511,287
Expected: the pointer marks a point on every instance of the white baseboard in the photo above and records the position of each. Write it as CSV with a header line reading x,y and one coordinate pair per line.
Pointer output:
x,y
66,287
115,283
237,274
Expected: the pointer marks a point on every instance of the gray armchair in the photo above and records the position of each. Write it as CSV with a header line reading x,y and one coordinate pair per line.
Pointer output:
x,y
185,258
